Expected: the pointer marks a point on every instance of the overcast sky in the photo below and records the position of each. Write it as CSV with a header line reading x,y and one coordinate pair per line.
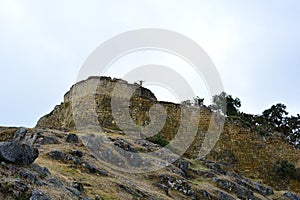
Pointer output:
x,y
254,44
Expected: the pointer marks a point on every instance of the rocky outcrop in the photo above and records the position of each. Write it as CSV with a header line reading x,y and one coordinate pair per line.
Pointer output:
x,y
20,154
71,172
17,152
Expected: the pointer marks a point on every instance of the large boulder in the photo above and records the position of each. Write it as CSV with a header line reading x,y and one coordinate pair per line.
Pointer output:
x,y
20,154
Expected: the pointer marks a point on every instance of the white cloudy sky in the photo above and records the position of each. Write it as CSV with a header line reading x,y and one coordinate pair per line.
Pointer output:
x,y
254,44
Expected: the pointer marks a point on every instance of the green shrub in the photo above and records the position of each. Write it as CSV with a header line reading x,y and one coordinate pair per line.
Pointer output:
x,y
158,139
297,174
284,169
263,132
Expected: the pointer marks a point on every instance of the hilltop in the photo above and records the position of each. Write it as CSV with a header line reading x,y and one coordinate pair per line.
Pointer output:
x,y
244,164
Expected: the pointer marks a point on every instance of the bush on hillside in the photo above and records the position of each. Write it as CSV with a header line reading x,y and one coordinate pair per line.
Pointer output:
x,y
284,169
158,139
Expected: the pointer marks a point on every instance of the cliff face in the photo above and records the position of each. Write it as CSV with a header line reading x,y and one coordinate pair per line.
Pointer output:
x,y
238,148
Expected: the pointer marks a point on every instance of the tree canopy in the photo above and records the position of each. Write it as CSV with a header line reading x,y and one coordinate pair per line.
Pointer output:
x,y
275,114
273,119
226,104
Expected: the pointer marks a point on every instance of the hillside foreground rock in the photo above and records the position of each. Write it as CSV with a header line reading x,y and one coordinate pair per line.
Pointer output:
x,y
20,154
238,167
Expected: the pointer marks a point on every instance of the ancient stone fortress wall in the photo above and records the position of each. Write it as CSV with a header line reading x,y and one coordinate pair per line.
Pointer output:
x,y
241,148
94,95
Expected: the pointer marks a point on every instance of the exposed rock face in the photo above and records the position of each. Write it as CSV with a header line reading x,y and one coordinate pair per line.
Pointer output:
x,y
20,154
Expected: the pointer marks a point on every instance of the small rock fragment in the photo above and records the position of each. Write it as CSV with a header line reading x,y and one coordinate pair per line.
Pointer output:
x,y
76,153
54,182
57,155
72,138
38,195
78,186
19,134
31,177
20,186
291,196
